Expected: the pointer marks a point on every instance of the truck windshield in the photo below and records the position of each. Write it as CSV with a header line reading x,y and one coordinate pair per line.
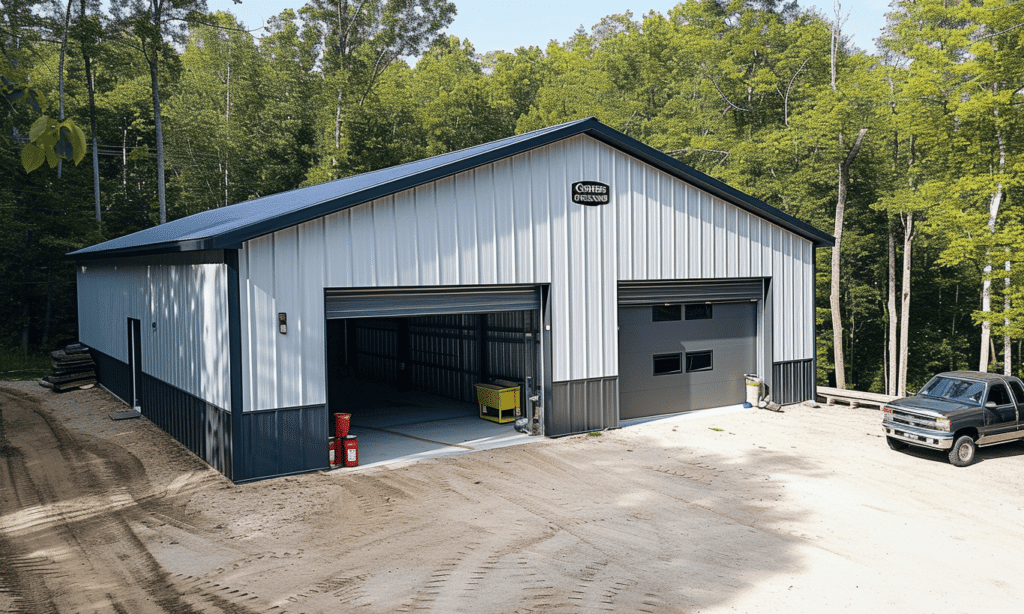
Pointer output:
x,y
954,389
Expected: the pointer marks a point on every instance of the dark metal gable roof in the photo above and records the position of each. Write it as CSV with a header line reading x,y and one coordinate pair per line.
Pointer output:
x,y
228,227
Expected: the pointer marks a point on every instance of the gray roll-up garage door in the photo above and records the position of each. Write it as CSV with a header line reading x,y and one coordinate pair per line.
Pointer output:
x,y
685,346
699,291
393,302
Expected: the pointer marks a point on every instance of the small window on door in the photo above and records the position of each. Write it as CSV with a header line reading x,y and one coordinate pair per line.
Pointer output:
x,y
698,312
667,364
699,361
666,313
1018,391
999,395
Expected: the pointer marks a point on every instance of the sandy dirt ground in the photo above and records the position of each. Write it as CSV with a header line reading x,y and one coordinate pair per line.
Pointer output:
x,y
801,511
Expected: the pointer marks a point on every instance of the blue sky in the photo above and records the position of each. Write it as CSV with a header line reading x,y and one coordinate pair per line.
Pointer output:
x,y
507,24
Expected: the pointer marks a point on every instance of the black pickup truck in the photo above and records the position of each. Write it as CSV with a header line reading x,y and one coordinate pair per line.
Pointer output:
x,y
958,411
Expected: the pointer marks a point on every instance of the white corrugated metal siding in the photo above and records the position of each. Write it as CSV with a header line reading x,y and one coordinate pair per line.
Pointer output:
x,y
188,302
512,222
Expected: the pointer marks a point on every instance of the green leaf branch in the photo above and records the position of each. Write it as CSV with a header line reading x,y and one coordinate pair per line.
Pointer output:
x,y
49,139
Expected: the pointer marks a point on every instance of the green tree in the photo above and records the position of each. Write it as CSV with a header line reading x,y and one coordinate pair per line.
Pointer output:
x,y
960,85
352,44
153,27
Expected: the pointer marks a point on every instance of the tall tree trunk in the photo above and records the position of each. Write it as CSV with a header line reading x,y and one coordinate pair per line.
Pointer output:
x,y
25,328
908,240
90,82
834,43
837,322
833,298
337,130
227,125
156,15
124,162
891,309
986,283
95,146
48,316
893,352
158,123
1007,342
60,73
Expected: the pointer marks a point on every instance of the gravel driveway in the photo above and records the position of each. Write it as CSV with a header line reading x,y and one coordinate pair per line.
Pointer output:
x,y
801,511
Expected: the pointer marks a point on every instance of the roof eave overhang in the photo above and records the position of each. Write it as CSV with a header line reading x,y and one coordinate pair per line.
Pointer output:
x,y
169,247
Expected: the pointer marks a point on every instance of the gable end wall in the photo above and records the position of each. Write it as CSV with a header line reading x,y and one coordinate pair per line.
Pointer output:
x,y
512,222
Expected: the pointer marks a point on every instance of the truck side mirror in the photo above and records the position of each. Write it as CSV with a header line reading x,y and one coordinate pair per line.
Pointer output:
x,y
991,405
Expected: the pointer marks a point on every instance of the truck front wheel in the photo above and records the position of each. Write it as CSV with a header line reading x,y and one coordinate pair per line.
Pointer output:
x,y
962,452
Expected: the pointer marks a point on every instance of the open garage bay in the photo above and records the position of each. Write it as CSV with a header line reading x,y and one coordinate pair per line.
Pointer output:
x,y
409,383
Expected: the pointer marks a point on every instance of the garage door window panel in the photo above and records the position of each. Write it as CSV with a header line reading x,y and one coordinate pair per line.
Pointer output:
x,y
698,312
668,364
666,313
699,361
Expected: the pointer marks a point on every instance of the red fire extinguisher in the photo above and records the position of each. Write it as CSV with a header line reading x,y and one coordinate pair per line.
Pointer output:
x,y
351,450
334,451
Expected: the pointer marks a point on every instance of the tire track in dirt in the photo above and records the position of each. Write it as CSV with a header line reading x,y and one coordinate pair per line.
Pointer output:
x,y
426,596
459,584
367,502
22,575
224,598
22,579
81,512
568,527
348,590
698,471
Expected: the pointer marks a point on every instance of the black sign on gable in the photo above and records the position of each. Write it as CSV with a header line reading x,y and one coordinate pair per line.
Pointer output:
x,y
591,193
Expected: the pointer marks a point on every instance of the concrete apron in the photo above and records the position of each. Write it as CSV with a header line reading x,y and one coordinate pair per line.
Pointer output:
x,y
394,436
689,415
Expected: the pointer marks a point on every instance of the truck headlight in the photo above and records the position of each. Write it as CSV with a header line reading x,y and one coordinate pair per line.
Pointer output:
x,y
942,424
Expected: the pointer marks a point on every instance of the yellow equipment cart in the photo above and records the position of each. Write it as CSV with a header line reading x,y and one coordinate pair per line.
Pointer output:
x,y
504,401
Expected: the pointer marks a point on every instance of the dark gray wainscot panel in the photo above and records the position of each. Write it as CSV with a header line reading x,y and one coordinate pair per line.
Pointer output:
x,y
202,427
282,442
112,374
580,406
794,381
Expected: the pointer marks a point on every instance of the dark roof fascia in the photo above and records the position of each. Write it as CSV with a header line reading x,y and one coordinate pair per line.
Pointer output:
x,y
154,249
710,184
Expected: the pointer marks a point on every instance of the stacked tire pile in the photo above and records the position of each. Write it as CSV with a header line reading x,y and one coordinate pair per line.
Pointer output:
x,y
73,367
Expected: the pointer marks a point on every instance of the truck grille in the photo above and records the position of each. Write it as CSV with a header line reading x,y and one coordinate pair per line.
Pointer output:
x,y
902,416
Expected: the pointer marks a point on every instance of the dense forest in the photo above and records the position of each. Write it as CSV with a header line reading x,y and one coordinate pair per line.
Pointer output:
x,y
910,154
